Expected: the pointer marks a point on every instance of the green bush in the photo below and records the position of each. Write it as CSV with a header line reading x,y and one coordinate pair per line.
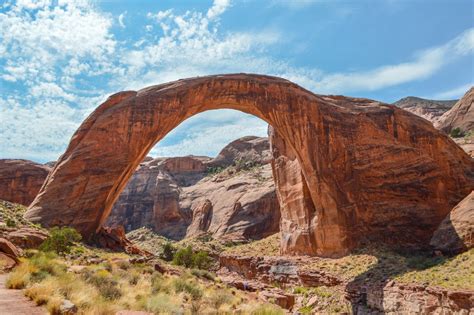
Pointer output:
x,y
182,285
184,257
201,260
456,133
60,240
168,252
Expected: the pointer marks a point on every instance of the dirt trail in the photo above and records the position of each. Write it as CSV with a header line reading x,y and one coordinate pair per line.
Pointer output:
x,y
15,303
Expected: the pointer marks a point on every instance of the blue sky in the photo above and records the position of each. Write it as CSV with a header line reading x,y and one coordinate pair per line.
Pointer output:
x,y
60,59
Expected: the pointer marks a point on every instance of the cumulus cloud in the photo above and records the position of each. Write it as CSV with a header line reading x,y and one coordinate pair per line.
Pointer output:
x,y
60,60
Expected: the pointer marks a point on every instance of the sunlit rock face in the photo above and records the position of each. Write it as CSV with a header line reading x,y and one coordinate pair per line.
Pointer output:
x,y
371,170
430,110
20,180
190,196
460,116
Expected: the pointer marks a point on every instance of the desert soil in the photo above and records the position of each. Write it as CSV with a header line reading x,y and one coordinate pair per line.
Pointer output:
x,y
14,302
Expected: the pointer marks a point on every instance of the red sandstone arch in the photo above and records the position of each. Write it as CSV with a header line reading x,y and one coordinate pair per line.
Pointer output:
x,y
345,168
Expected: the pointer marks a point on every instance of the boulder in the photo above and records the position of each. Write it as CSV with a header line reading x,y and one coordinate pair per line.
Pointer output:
x,y
456,233
20,180
26,237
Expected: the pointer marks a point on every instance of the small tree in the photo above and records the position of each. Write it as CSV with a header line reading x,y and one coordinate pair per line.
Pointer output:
x,y
184,257
168,252
456,133
60,240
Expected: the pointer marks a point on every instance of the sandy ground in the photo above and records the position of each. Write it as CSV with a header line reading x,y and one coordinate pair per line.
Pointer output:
x,y
13,302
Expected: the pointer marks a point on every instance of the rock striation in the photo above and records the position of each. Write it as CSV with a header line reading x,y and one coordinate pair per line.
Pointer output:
x,y
461,115
231,196
372,170
456,233
430,110
20,180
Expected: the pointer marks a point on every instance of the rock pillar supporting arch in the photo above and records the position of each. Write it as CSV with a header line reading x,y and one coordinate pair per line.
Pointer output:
x,y
345,168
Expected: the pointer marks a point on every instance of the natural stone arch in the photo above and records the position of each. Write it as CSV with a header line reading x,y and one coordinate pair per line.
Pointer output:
x,y
345,168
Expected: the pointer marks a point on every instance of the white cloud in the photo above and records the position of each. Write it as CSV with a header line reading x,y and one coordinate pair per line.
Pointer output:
x,y
64,59
207,133
219,7
425,64
453,93
120,19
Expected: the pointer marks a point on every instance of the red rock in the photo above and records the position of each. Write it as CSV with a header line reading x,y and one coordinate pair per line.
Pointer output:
x,y
26,237
430,110
10,250
115,239
167,195
202,216
456,233
372,171
20,180
460,116
280,298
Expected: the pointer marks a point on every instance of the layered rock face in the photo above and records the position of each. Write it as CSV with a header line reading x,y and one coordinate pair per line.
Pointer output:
x,y
460,116
177,198
456,233
21,180
371,170
430,110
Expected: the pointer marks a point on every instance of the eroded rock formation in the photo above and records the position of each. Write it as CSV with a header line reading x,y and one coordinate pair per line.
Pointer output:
x,y
20,180
371,170
178,197
456,233
430,110
460,116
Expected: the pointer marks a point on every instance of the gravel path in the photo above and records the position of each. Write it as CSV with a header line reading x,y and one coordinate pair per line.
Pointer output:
x,y
13,302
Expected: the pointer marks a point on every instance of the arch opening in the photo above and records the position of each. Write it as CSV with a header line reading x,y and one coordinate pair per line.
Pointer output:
x,y
351,163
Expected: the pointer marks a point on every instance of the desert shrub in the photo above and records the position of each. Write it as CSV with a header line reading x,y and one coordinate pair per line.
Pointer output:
x,y
214,170
104,282
10,222
60,240
184,257
456,133
219,298
203,274
19,278
168,252
201,260
267,309
182,285
162,303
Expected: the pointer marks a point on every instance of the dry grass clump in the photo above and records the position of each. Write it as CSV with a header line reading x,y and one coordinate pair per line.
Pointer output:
x,y
269,246
452,273
114,284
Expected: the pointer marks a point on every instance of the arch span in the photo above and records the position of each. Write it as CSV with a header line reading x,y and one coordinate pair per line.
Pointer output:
x,y
346,169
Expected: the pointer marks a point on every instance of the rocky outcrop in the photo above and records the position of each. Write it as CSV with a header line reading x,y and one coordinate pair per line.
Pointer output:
x,y
9,255
456,233
460,116
20,180
430,110
177,197
248,150
371,170
398,298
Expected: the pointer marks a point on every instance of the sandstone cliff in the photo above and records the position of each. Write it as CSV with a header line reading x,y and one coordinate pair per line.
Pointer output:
x,y
430,110
231,197
460,116
20,180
